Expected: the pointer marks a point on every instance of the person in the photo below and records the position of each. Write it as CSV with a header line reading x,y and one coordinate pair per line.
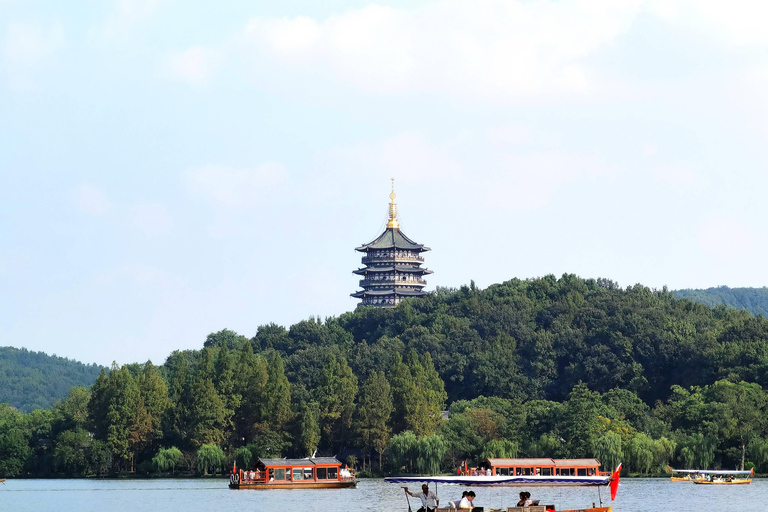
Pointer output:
x,y
468,501
525,499
429,501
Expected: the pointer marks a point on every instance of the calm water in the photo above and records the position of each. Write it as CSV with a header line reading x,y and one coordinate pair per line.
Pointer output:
x,y
635,495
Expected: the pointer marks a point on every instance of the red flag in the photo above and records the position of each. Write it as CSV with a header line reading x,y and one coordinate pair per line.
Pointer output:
x,y
615,482
233,467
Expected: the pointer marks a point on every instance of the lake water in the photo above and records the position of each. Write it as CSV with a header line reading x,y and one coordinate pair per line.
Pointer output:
x,y
212,495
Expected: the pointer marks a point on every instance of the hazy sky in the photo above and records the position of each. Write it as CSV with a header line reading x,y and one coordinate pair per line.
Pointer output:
x,y
169,169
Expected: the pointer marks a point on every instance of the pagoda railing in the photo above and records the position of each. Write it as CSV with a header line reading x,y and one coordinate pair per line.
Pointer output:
x,y
389,281
380,259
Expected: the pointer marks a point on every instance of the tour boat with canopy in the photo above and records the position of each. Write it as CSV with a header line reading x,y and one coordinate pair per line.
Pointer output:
x,y
712,476
310,473
612,480
528,472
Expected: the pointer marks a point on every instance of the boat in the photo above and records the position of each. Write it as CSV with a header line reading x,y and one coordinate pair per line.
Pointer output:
x,y
528,472
688,475
725,477
612,480
310,473
711,476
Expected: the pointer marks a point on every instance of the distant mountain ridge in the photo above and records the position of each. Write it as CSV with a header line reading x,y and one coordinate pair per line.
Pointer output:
x,y
35,380
754,300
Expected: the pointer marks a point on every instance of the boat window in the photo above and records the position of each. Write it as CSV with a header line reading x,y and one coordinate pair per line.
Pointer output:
x,y
308,474
333,474
503,471
288,474
546,471
582,471
298,474
279,474
322,473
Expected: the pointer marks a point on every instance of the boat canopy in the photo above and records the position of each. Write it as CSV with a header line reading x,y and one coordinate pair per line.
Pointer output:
x,y
712,471
504,480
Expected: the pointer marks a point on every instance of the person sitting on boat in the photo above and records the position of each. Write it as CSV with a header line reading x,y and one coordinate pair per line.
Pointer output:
x,y
525,499
468,500
429,501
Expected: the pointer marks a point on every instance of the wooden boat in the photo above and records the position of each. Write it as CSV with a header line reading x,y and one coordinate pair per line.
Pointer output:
x,y
311,473
712,476
612,481
527,472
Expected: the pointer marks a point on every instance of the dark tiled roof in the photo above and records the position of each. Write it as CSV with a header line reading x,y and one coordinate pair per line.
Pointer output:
x,y
317,461
398,268
387,292
392,237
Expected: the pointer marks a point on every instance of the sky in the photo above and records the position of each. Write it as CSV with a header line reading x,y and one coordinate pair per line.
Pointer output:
x,y
172,168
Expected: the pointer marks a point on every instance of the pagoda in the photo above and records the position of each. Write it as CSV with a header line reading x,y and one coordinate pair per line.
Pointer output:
x,y
392,269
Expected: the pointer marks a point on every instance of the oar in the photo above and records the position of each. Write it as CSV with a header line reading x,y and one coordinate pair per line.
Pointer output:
x,y
407,499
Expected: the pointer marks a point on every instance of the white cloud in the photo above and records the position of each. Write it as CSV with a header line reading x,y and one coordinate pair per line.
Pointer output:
x,y
195,65
152,219
737,22
487,50
125,15
223,186
92,200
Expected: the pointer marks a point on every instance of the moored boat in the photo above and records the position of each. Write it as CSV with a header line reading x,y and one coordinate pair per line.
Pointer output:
x,y
310,473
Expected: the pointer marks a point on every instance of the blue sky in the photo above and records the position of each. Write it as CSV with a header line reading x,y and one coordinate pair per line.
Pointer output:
x,y
169,169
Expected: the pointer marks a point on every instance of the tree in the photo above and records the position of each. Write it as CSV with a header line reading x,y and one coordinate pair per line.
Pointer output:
x,y
336,398
608,450
209,458
167,459
404,449
374,411
430,453
310,429
14,447
277,410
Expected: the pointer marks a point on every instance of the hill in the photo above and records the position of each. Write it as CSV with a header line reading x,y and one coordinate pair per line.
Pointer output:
x,y
754,300
35,380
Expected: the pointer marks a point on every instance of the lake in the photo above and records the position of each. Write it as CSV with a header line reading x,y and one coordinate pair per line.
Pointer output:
x,y
191,495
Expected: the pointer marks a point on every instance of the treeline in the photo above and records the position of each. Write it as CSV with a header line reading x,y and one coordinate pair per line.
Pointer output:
x,y
754,300
542,368
35,380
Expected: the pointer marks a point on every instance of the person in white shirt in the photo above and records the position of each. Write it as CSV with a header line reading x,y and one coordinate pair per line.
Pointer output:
x,y
429,501
468,500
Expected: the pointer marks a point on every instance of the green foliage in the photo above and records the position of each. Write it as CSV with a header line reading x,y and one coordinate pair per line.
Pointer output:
x,y
209,459
35,380
167,459
754,300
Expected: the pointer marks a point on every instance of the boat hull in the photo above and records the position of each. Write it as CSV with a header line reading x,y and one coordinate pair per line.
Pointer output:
x,y
735,482
293,485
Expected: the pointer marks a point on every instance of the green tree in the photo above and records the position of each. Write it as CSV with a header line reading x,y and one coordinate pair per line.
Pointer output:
x,y
374,412
310,428
209,458
608,450
167,459
336,398
277,410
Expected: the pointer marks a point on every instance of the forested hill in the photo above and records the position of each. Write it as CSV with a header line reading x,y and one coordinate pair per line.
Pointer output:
x,y
35,380
754,300
548,367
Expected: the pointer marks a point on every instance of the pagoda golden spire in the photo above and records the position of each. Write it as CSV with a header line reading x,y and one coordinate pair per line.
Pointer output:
x,y
393,223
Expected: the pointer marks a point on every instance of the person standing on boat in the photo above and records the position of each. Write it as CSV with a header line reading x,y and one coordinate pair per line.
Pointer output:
x,y
429,501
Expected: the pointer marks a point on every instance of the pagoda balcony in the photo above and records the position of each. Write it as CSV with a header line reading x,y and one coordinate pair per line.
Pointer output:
x,y
365,283
387,259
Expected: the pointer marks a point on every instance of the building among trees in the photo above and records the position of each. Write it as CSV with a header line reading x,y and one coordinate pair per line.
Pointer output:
x,y
392,270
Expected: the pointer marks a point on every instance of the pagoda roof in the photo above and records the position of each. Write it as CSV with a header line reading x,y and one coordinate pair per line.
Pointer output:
x,y
392,238
396,268
388,291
